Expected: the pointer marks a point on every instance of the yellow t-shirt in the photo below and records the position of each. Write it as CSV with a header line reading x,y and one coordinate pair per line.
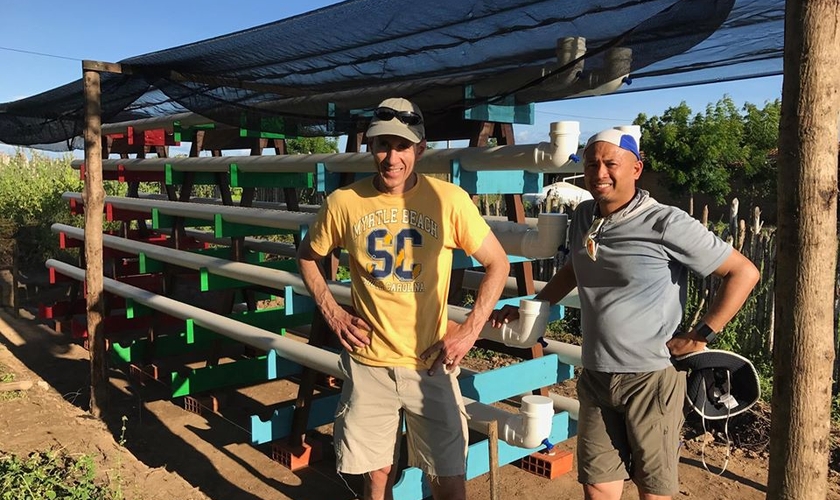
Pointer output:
x,y
400,249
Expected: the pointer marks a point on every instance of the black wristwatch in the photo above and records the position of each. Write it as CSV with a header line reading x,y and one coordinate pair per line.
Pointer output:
x,y
705,331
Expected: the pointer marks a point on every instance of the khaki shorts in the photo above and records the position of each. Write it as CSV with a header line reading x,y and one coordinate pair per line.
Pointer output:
x,y
629,427
367,422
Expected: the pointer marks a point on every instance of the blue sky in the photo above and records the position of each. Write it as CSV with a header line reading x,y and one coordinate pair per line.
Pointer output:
x,y
42,43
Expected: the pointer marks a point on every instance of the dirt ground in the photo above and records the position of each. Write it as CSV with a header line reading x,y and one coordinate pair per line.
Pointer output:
x,y
154,449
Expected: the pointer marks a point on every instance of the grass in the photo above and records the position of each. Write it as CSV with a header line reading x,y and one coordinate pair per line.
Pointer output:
x,y
51,474
7,375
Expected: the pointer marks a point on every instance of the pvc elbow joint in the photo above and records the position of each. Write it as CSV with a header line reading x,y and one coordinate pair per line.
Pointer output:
x,y
533,424
553,156
525,331
550,234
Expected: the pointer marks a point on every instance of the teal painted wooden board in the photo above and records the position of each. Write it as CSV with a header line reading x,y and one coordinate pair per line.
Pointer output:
x,y
278,367
502,383
485,387
236,373
296,303
478,457
496,182
279,425
413,486
502,110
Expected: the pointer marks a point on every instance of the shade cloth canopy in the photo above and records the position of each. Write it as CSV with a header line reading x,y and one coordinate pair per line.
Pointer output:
x,y
319,73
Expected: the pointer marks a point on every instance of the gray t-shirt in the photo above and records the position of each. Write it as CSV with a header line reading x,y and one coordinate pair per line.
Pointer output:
x,y
632,297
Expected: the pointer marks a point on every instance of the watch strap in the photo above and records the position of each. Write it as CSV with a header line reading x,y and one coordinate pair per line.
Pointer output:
x,y
705,331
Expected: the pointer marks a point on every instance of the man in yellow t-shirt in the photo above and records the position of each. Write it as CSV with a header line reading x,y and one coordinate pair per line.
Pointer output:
x,y
399,229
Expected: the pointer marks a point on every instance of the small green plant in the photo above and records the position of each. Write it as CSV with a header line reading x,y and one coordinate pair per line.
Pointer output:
x,y
118,480
566,329
343,273
50,475
7,376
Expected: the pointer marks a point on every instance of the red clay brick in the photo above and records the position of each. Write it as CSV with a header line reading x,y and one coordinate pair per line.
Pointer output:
x,y
547,464
296,457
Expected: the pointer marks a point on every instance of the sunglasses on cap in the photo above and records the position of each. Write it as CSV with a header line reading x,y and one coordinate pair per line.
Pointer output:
x,y
408,117
593,237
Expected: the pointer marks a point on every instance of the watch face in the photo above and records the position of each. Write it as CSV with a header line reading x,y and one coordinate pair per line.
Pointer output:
x,y
706,332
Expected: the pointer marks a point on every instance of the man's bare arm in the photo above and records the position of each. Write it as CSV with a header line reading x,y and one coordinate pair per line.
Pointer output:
x,y
563,282
352,331
460,338
739,276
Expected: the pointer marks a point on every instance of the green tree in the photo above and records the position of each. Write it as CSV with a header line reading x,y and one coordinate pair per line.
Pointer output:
x,y
761,134
310,145
696,153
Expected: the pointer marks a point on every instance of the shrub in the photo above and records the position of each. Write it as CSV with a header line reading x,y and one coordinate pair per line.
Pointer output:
x,y
30,202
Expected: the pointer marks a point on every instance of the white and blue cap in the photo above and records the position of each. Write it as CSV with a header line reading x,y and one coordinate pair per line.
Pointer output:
x,y
618,137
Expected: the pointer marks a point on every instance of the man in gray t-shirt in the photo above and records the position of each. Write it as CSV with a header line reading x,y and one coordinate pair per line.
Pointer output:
x,y
630,258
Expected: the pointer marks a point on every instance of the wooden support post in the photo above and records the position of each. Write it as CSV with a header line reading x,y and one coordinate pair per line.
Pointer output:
x,y
493,449
290,195
516,212
303,404
94,198
456,280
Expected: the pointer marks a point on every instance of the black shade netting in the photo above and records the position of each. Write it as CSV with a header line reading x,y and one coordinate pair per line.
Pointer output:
x,y
317,73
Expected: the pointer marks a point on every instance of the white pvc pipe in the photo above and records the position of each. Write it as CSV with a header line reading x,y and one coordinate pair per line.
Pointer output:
x,y
271,278
271,205
554,156
472,279
241,215
255,244
523,332
527,429
617,65
517,239
567,353
568,49
561,403
313,357
523,240
187,119
274,278
567,404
